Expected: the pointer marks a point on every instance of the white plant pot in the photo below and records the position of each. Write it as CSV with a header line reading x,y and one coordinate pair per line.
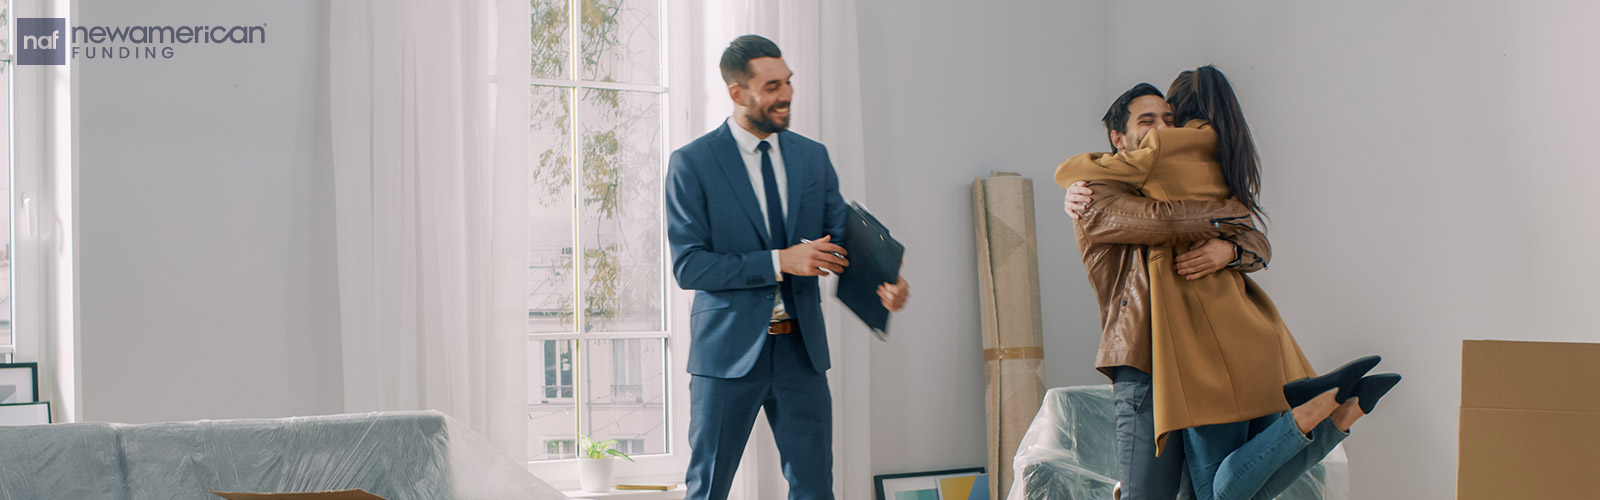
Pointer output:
x,y
594,474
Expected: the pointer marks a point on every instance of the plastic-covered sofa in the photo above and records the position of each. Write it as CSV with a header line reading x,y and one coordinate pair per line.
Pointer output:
x,y
1069,453
398,456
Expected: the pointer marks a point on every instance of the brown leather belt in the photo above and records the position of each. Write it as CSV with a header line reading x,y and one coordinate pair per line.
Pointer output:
x,y
783,327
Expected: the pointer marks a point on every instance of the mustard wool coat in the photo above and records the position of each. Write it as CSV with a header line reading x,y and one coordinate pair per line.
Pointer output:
x,y
1220,352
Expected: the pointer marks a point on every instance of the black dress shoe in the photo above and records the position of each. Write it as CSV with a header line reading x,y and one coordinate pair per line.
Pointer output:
x,y
1343,378
1372,388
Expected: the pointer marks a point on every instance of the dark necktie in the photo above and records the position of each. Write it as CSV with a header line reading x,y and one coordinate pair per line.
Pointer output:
x,y
775,229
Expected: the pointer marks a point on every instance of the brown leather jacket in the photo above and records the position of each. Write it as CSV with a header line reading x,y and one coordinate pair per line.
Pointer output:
x,y
1112,236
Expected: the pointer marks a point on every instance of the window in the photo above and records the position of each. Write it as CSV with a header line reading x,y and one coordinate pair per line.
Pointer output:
x,y
8,340
630,446
597,305
557,370
625,373
562,448
36,218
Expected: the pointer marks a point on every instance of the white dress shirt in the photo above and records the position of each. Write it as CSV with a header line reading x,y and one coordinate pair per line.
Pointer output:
x,y
748,149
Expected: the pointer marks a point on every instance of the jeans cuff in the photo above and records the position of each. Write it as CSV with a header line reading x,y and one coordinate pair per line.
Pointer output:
x,y
1327,427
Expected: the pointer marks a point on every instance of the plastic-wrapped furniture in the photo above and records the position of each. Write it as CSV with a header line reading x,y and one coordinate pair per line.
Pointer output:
x,y
1069,453
398,456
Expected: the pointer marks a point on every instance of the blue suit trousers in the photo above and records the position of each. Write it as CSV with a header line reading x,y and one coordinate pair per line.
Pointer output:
x,y
798,406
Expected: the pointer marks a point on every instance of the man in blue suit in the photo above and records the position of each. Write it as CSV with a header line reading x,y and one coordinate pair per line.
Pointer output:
x,y
754,215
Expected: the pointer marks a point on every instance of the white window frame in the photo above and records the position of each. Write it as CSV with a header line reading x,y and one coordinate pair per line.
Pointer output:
x,y
43,217
670,467
8,343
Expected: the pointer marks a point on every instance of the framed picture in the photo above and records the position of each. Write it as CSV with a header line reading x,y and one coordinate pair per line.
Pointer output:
x,y
953,484
19,383
24,414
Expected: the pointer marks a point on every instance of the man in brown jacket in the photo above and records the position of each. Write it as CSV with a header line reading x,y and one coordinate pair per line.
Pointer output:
x,y
1113,230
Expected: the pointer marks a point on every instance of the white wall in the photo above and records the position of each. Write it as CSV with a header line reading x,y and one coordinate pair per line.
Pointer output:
x,y
950,91
207,279
1428,171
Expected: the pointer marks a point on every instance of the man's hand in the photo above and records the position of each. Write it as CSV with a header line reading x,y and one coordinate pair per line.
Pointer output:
x,y
1204,258
809,259
1077,199
894,295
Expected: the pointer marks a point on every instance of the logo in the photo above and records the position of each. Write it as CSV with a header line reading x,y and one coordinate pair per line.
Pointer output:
x,y
156,41
43,40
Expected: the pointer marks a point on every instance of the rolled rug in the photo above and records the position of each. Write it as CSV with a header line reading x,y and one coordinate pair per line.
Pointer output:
x,y
1013,329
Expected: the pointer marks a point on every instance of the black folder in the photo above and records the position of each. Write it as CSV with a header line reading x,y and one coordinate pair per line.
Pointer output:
x,y
874,260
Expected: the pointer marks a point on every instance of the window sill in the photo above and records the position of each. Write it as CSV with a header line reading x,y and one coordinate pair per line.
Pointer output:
x,y
672,494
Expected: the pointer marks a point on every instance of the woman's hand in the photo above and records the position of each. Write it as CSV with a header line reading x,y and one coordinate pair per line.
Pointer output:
x,y
1205,257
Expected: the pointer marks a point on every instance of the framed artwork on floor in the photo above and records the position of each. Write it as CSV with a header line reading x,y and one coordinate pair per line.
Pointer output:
x,y
953,484
24,414
19,383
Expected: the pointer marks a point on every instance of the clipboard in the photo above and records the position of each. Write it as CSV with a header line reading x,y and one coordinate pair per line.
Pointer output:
x,y
874,260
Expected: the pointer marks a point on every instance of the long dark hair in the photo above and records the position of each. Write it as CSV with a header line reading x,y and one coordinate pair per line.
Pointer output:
x,y
1205,93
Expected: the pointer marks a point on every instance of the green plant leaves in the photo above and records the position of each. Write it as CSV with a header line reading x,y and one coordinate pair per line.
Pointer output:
x,y
590,448
619,454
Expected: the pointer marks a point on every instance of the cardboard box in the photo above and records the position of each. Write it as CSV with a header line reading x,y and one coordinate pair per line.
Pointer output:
x,y
1530,420
356,494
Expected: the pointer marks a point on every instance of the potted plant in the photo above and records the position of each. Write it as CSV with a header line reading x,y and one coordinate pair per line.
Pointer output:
x,y
594,463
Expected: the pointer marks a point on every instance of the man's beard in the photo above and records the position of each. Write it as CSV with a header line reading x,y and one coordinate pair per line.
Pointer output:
x,y
1133,142
766,124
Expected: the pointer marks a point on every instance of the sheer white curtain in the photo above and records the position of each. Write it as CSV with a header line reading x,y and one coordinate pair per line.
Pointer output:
x,y
428,159
819,43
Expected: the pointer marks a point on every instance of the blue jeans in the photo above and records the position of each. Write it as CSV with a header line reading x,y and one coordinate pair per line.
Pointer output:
x,y
1257,459
1144,476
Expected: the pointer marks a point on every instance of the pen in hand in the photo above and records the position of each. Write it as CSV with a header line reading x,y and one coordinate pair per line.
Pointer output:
x,y
808,242
835,254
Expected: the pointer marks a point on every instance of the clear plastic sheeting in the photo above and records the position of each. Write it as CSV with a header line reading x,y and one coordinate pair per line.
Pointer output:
x,y
1069,453
398,456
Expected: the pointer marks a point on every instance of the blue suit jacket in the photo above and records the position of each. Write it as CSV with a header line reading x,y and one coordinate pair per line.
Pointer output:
x,y
720,247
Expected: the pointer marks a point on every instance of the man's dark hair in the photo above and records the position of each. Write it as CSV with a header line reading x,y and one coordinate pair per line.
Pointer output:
x,y
1116,118
736,58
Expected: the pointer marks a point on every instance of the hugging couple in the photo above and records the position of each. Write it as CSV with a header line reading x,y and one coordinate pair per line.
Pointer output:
x,y
1206,376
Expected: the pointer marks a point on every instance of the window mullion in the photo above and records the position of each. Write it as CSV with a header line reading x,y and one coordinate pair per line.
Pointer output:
x,y
579,321
588,84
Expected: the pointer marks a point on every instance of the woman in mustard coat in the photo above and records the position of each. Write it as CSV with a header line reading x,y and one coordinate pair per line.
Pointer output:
x,y
1226,370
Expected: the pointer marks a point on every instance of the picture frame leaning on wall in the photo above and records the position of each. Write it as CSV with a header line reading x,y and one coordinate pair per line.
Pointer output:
x,y
18,414
19,383
953,484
